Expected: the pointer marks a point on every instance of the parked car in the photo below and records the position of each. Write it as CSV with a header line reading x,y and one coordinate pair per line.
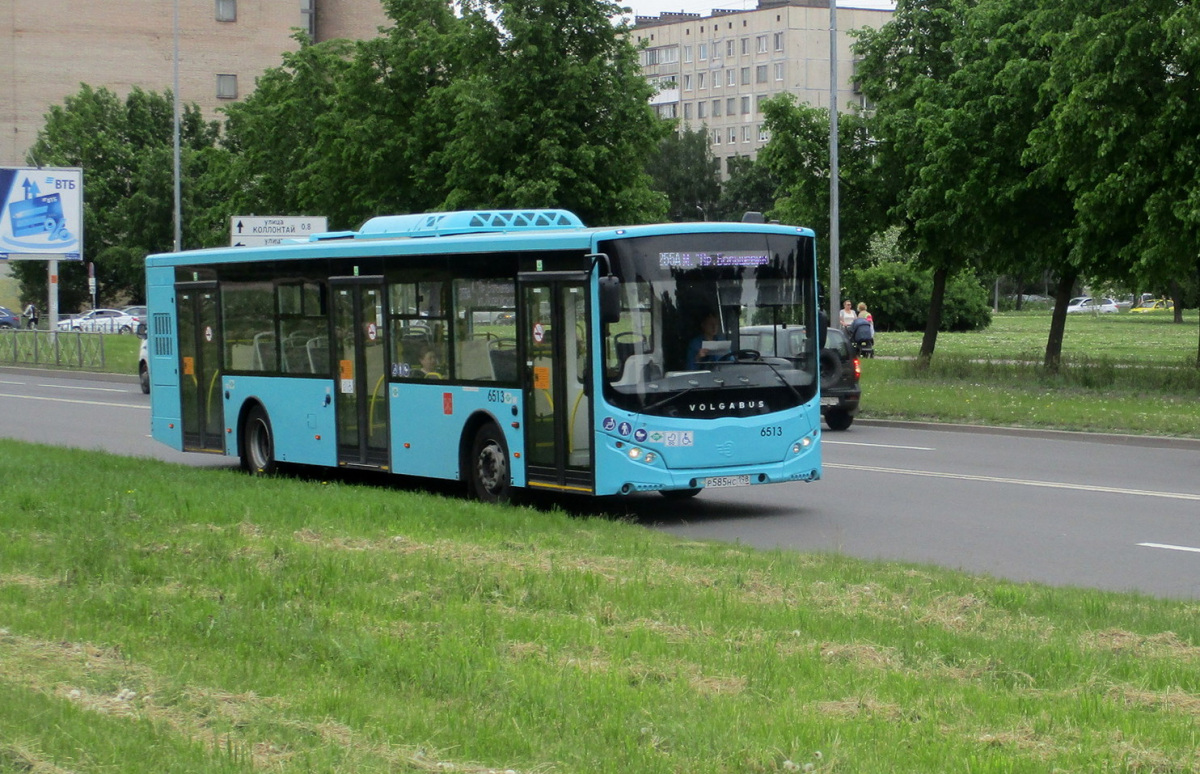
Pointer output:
x,y
136,311
1093,305
1157,305
101,321
144,367
9,318
840,389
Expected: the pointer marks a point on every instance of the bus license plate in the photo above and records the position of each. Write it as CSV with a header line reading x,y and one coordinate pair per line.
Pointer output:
x,y
720,481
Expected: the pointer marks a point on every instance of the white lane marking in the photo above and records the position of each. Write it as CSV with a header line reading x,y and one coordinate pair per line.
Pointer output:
x,y
1169,547
80,402
77,387
1021,482
877,445
2,381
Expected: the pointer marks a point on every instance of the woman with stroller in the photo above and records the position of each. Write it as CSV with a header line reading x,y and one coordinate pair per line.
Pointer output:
x,y
862,332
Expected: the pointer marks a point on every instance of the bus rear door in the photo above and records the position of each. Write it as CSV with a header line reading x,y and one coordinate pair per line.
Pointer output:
x,y
558,399
203,415
360,371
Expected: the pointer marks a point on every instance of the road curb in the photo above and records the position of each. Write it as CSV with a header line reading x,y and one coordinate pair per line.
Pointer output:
x,y
1143,441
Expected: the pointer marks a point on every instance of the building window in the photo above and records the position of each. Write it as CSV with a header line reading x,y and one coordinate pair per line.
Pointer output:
x,y
732,134
758,102
227,87
779,71
760,44
778,41
226,10
687,53
745,76
745,134
701,110
701,80
716,136
746,106
731,106
745,46
687,82
716,108
729,49
760,74
763,134
703,51
731,77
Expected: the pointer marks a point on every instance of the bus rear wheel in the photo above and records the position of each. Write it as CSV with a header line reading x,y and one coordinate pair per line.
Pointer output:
x,y
257,443
488,475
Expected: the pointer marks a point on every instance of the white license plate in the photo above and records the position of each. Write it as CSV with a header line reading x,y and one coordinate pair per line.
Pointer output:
x,y
720,481
829,401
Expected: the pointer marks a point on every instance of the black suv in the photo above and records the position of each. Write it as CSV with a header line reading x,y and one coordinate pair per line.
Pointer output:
x,y
840,391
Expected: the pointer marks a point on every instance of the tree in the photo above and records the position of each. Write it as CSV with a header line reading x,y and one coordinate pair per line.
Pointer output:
x,y
125,150
751,187
685,171
798,157
554,113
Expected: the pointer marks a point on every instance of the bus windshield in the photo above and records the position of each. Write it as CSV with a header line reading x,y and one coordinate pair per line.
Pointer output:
x,y
712,324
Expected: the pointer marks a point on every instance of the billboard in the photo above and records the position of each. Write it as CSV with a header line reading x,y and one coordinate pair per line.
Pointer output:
x,y
41,213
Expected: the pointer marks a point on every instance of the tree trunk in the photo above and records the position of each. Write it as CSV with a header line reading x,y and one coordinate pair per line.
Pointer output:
x,y
1058,320
933,320
1177,297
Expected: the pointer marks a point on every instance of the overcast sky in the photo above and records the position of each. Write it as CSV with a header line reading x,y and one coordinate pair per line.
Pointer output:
x,y
705,7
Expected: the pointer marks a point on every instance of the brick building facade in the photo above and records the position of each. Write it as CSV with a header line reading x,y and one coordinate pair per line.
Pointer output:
x,y
714,72
49,47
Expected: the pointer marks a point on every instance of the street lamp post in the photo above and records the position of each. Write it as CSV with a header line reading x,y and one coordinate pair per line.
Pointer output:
x,y
178,203
835,289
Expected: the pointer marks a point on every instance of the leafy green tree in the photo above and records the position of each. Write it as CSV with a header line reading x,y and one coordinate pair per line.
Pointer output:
x,y
798,157
1124,132
751,187
685,171
555,112
125,148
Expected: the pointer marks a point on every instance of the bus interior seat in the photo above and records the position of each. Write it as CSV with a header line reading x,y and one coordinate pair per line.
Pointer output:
x,y
264,351
318,354
473,361
295,354
640,367
504,364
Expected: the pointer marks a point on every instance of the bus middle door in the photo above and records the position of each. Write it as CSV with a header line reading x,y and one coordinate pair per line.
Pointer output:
x,y
360,371
202,408
558,400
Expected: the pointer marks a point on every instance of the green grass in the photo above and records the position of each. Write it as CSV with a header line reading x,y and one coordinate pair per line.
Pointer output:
x,y
1130,374
159,618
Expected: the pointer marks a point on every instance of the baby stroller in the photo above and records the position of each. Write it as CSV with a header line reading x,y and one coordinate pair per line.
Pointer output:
x,y
862,336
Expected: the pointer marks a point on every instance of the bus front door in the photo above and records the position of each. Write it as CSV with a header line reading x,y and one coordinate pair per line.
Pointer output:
x,y
203,414
558,401
360,372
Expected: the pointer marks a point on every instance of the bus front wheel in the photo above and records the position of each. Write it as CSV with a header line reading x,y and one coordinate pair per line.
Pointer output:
x,y
489,477
258,443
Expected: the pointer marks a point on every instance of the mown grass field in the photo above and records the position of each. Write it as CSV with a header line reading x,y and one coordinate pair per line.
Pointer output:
x,y
156,618
1123,373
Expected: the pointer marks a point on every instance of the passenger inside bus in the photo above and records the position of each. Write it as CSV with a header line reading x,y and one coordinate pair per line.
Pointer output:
x,y
705,346
427,365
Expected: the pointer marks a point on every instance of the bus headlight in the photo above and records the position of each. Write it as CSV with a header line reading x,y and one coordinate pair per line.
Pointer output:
x,y
635,453
801,445
650,457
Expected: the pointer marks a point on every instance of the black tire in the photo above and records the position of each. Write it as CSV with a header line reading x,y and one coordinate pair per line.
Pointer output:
x,y
488,477
838,419
144,378
831,368
256,443
125,329
679,494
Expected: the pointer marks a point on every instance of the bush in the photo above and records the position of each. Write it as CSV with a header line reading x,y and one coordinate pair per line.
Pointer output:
x,y
898,295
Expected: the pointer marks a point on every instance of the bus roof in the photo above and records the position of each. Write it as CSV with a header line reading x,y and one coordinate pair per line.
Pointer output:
x,y
469,231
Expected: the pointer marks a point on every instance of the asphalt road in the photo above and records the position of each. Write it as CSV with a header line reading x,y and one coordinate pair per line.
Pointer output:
x,y
1071,509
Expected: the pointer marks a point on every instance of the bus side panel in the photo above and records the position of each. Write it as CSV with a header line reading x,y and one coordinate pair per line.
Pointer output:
x,y
301,414
162,346
427,426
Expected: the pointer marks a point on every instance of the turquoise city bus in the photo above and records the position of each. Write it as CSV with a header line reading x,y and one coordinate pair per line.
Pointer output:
x,y
504,349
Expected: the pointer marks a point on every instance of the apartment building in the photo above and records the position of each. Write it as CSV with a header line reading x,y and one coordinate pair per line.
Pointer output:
x,y
49,47
714,72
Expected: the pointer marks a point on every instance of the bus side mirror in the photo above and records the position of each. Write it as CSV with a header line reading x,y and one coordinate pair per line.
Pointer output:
x,y
610,300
